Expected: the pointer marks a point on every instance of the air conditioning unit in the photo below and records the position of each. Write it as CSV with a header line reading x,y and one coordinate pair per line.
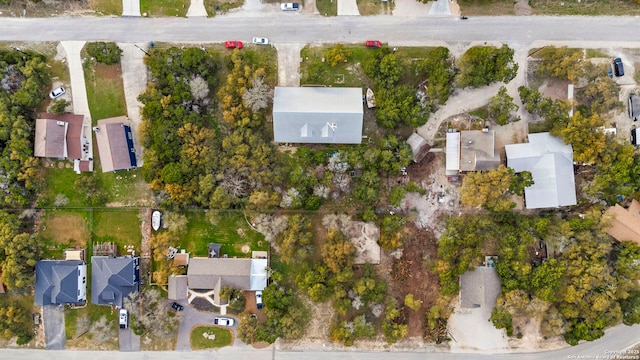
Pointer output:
x,y
61,123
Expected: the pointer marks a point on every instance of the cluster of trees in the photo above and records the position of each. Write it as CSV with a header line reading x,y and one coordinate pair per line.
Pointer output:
x,y
15,320
23,79
501,108
483,65
491,189
104,52
395,103
587,287
191,157
148,314
19,252
437,70
234,298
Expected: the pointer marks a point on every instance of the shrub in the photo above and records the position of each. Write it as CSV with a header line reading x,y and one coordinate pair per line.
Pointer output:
x,y
59,106
105,53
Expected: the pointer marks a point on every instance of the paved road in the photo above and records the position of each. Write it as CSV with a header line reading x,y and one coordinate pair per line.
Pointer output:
x,y
54,332
281,28
616,339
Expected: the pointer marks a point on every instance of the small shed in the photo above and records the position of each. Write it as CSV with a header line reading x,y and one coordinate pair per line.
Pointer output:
x,y
74,254
214,250
419,147
181,258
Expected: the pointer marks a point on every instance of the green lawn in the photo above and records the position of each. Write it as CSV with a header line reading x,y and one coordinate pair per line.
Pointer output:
x,y
118,226
61,229
158,8
327,7
223,337
106,7
588,7
349,74
60,180
487,7
230,230
105,92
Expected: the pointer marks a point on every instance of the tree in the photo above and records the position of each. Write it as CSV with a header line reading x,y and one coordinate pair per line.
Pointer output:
x,y
482,65
234,298
394,328
436,67
337,54
412,303
338,252
258,96
501,108
583,135
59,106
295,241
15,320
247,328
148,314
501,319
520,181
487,189
199,88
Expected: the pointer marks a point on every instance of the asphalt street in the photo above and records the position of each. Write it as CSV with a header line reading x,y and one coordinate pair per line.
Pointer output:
x,y
397,31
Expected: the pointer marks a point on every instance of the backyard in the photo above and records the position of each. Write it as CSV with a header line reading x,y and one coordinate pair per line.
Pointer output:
x,y
228,228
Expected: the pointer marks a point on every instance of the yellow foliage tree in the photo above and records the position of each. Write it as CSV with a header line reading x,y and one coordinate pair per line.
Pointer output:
x,y
487,189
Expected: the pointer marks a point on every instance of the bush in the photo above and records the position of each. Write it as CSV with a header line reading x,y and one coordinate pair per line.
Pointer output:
x,y
59,106
105,53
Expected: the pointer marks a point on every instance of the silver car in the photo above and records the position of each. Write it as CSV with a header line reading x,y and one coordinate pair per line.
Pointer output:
x,y
223,321
260,41
56,93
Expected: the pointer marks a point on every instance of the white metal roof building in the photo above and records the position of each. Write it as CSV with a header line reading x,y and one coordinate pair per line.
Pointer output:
x,y
550,162
453,153
321,115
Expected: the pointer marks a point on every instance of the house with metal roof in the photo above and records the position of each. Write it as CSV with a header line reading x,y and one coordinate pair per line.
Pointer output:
x,y
61,282
115,144
113,279
550,162
471,150
215,274
321,115
59,136
625,223
419,147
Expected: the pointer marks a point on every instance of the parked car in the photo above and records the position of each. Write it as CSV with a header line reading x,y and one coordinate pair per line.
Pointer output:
x,y
618,68
177,307
56,93
259,303
373,43
233,44
223,321
124,319
290,6
260,40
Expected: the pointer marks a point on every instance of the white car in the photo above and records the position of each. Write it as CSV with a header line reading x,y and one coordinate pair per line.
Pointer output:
x,y
259,303
124,319
56,93
290,6
223,321
260,41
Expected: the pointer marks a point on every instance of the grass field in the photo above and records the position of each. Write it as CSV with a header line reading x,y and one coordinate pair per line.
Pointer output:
x,y
106,7
229,229
105,92
164,7
327,7
588,7
118,226
223,337
486,7
222,6
348,74
63,229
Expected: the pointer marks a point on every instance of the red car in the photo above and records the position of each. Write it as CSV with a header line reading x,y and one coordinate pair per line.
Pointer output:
x,y
373,43
233,44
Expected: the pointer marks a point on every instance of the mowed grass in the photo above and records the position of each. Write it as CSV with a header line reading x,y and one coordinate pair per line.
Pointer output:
x,y
348,74
223,337
106,7
589,7
156,8
60,180
61,229
371,7
229,228
118,226
487,7
105,91
327,7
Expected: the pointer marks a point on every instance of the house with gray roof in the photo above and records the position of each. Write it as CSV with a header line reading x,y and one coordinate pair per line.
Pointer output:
x,y
61,282
205,274
113,279
321,115
471,150
479,288
550,162
115,144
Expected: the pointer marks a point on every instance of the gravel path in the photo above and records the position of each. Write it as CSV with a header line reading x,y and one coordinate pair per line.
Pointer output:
x,y
289,64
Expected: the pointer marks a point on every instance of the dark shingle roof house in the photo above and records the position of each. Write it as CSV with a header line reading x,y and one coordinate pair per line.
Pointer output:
x,y
61,282
113,279
115,144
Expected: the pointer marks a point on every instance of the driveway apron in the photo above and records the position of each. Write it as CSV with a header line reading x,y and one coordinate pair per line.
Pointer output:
x,y
54,333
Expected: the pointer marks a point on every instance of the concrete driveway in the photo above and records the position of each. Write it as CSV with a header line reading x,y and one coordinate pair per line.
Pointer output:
x,y
192,317
289,64
348,8
54,332
128,340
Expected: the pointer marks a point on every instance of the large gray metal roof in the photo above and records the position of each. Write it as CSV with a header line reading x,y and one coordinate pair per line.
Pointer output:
x,y
317,115
550,162
113,279
59,282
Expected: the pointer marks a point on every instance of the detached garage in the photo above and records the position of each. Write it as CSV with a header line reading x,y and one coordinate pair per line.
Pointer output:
x,y
319,115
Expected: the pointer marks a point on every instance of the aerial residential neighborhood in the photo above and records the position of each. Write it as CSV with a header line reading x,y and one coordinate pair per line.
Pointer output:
x,y
256,179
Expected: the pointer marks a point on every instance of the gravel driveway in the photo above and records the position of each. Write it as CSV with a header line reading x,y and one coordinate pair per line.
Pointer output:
x,y
53,323
289,64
